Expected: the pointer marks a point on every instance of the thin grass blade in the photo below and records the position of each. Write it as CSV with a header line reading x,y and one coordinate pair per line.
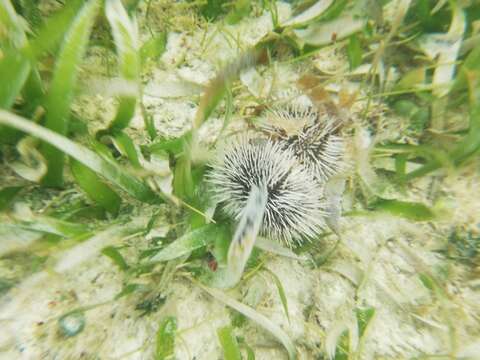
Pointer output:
x,y
258,318
189,242
107,169
125,35
166,339
14,67
154,48
409,210
49,225
60,94
95,188
281,293
54,28
311,13
115,255
14,70
125,145
325,33
231,350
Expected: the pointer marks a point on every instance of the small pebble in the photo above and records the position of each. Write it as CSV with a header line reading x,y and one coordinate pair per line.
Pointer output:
x,y
72,324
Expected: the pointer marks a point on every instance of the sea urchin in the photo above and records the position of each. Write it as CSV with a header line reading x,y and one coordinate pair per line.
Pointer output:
x,y
312,139
294,209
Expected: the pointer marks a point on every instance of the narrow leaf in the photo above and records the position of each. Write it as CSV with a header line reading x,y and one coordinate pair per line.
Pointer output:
x,y
14,70
354,52
311,13
427,281
60,94
13,26
277,248
413,78
281,292
127,290
116,257
33,92
231,350
189,242
95,188
410,210
327,32
126,147
125,35
173,146
400,165
53,29
342,349
14,67
334,10
154,47
166,339
364,316
107,169
471,64
182,179
444,48
51,225
250,353
260,319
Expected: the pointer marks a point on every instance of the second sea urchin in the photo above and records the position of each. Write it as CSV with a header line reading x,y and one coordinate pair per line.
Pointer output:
x,y
312,139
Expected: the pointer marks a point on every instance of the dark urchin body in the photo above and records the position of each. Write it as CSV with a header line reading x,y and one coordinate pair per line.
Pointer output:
x,y
313,139
294,210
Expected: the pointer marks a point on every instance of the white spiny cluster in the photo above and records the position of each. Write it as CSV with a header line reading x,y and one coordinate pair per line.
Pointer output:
x,y
314,142
288,119
294,208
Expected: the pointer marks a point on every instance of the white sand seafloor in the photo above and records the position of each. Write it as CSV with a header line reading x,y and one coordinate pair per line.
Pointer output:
x,y
376,265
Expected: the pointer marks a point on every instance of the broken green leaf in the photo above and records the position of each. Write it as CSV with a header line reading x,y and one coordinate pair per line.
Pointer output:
x,y
231,350
115,255
95,188
409,210
189,242
165,348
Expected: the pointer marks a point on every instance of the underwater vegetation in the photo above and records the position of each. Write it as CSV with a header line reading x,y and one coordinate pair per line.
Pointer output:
x,y
239,179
